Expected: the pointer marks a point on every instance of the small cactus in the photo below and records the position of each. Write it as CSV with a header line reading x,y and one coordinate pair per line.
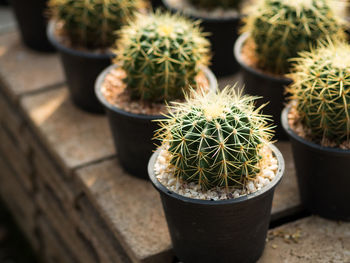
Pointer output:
x,y
282,28
321,91
210,4
161,55
215,139
91,23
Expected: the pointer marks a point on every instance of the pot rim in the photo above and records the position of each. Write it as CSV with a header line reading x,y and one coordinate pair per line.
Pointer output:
x,y
203,18
267,188
238,55
315,146
208,73
50,32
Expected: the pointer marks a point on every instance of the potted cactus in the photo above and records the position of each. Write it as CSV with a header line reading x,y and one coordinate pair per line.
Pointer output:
x,y
275,31
216,172
32,23
157,57
318,124
83,32
221,18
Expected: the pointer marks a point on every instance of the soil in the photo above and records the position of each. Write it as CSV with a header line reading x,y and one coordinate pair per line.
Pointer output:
x,y
250,58
305,133
116,93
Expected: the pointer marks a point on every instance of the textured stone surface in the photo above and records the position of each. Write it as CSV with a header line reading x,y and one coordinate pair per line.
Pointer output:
x,y
309,240
131,208
74,137
286,200
20,203
23,70
93,225
52,248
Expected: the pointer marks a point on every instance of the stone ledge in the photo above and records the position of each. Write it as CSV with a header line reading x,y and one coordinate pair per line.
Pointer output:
x,y
75,138
315,240
23,70
131,208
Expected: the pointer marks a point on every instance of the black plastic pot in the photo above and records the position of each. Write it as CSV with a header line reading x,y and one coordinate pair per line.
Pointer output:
x,y
81,70
218,231
270,88
133,133
156,4
32,23
223,34
323,175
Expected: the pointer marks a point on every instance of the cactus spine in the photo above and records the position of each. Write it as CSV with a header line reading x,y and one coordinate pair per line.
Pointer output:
x,y
91,23
210,4
282,28
161,54
215,139
321,90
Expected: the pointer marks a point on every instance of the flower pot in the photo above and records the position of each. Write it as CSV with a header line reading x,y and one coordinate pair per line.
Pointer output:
x,y
270,88
323,175
223,34
218,231
156,4
133,133
81,69
30,16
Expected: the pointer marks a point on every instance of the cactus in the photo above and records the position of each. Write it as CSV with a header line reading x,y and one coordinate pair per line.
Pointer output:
x,y
92,23
161,55
210,4
321,90
282,28
215,138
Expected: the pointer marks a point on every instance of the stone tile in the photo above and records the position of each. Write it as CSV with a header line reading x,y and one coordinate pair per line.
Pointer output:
x,y
18,201
52,249
131,208
16,159
95,228
61,221
23,70
286,200
312,239
75,138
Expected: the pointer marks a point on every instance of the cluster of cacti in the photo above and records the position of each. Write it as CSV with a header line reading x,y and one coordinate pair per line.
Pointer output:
x,y
92,23
321,90
215,138
210,4
161,54
282,28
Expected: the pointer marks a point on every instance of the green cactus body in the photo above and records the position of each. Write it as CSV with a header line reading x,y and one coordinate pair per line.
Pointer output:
x,y
321,90
215,139
91,23
282,28
161,55
210,4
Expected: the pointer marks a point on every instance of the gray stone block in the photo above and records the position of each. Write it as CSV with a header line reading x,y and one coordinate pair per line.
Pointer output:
x,y
311,239
23,70
73,137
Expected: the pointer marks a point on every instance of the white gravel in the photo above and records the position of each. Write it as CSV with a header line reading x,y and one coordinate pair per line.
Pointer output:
x,y
165,175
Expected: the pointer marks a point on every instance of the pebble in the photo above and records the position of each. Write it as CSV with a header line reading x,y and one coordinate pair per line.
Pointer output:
x,y
192,190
